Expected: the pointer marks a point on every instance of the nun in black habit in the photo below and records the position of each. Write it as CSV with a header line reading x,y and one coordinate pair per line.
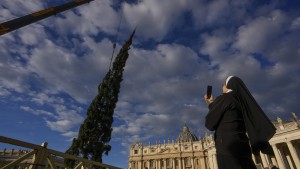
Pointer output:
x,y
241,127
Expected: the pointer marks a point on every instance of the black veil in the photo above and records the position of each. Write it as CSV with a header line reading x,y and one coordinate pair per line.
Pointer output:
x,y
259,127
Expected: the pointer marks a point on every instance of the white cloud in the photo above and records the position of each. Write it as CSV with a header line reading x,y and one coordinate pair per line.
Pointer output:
x,y
32,35
65,72
218,12
256,34
70,134
89,19
295,24
4,92
37,112
216,43
235,63
13,75
153,17
62,119
5,15
21,7
65,119
60,125
42,98
168,60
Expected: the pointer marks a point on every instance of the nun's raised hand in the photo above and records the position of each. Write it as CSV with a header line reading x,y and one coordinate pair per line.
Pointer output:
x,y
208,100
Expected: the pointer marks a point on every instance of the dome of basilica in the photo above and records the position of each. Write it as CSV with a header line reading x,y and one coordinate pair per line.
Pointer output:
x,y
186,135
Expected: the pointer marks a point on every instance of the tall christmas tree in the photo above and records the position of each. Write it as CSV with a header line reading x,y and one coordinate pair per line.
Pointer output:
x,y
95,132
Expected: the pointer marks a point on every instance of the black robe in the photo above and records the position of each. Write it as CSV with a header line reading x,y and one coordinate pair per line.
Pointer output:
x,y
259,127
225,117
232,144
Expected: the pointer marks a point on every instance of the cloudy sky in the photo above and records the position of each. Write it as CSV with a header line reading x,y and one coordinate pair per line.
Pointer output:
x,y
50,70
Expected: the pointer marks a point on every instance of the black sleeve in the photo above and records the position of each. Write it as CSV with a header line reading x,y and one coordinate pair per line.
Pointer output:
x,y
216,111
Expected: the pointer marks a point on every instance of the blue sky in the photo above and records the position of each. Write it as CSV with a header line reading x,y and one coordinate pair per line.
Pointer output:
x,y
50,70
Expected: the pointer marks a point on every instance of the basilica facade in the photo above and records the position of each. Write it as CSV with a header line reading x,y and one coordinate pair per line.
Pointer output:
x,y
190,152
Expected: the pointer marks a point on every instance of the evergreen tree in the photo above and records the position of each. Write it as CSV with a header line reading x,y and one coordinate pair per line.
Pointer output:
x,y
74,151
95,132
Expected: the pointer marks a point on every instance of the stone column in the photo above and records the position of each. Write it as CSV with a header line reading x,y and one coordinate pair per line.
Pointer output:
x,y
215,161
297,150
159,164
202,162
193,162
273,159
139,165
268,159
263,159
211,164
129,165
148,164
289,159
279,158
173,162
180,166
284,158
156,164
294,154
183,163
